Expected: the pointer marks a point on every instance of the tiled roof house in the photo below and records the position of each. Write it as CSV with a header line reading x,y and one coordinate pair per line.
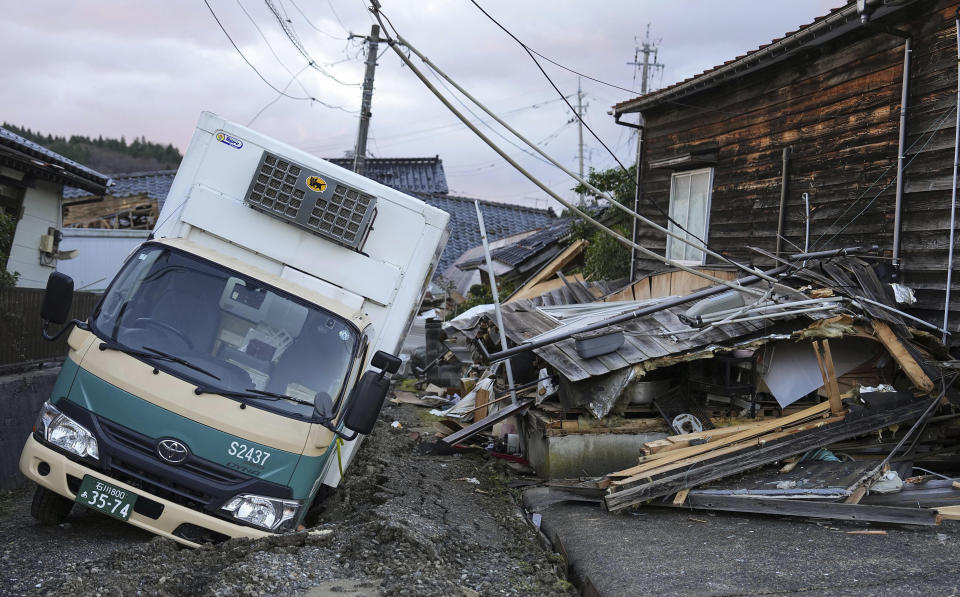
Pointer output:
x,y
421,177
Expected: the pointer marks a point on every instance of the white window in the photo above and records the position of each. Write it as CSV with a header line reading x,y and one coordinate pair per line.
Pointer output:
x,y
690,208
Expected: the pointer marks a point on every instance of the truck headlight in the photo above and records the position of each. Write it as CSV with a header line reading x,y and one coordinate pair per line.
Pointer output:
x,y
269,513
63,432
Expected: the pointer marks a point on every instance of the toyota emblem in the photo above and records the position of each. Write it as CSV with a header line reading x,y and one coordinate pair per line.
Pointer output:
x,y
172,451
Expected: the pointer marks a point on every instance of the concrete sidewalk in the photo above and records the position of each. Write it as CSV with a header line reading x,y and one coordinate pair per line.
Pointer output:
x,y
660,551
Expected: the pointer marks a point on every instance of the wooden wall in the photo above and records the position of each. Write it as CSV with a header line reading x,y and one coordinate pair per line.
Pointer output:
x,y
838,107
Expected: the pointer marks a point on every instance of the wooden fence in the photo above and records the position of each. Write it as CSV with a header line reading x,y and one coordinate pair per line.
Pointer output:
x,y
20,339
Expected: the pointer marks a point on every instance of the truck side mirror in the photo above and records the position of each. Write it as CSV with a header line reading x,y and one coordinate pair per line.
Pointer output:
x,y
56,305
366,401
385,362
57,299
366,398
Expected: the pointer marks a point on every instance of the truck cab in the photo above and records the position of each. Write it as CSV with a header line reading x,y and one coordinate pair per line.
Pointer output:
x,y
230,368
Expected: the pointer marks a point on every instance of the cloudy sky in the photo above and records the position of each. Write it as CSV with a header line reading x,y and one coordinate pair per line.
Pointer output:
x,y
149,67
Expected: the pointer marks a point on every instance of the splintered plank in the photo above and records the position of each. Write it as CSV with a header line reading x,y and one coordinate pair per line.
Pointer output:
x,y
906,361
816,509
882,410
818,410
675,442
488,421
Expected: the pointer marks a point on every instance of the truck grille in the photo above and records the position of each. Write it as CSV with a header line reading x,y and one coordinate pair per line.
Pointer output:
x,y
310,200
146,445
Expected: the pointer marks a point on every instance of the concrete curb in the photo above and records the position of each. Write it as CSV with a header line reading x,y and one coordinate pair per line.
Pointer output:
x,y
20,398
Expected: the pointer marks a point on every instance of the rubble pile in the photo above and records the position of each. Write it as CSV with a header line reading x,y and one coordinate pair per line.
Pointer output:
x,y
805,390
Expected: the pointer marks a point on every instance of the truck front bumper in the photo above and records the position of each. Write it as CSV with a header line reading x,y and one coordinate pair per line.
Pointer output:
x,y
170,519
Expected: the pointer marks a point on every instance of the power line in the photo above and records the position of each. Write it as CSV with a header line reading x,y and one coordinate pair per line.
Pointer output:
x,y
477,119
287,25
270,47
309,22
262,78
337,17
274,100
595,136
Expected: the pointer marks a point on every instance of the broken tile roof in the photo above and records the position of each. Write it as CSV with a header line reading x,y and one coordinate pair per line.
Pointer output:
x,y
421,177
501,220
51,161
155,185
411,175
523,249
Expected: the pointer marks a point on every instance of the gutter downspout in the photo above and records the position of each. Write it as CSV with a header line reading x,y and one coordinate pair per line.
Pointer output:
x,y
785,178
637,193
904,101
641,127
953,197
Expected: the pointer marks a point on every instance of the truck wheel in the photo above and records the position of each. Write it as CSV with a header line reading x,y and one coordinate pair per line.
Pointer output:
x,y
50,508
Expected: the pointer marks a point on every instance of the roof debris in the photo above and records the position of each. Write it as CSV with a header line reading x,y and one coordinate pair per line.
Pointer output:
x,y
810,396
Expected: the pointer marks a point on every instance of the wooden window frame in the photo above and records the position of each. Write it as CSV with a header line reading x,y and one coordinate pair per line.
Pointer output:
x,y
707,207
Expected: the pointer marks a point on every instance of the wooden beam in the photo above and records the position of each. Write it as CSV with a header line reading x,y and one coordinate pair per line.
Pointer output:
x,y
549,270
816,509
681,497
881,410
829,374
949,512
765,427
482,398
906,361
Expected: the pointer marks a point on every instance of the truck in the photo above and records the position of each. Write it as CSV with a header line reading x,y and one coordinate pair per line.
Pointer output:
x,y
223,383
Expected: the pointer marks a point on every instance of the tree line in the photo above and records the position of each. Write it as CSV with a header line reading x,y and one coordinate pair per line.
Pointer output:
x,y
84,149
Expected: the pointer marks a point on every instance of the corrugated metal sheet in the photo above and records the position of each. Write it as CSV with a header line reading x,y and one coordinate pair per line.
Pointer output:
x,y
657,335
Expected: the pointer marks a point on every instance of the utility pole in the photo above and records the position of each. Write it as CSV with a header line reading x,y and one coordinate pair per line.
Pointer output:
x,y
360,151
647,68
580,129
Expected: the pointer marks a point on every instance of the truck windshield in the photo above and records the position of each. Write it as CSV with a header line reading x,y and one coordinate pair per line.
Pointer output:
x,y
227,331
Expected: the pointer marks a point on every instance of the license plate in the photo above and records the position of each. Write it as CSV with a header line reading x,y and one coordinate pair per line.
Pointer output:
x,y
104,497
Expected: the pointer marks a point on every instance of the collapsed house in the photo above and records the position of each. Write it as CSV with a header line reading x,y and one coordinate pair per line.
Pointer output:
x,y
684,399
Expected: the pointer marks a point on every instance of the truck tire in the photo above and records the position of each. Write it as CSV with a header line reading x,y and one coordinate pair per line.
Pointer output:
x,y
50,508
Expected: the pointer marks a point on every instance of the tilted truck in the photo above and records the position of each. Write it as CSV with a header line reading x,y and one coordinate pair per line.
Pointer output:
x,y
222,380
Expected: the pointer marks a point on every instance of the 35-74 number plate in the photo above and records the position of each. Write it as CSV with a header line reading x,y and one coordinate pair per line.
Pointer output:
x,y
104,497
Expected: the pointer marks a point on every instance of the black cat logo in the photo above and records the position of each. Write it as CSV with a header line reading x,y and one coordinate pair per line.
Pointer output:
x,y
317,184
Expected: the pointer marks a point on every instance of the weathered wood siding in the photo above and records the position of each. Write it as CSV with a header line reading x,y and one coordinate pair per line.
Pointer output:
x,y
838,107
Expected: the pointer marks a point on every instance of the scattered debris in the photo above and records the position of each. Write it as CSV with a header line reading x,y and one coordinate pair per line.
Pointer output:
x,y
810,396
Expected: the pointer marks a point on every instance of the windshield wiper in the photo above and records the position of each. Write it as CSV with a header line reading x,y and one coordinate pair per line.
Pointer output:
x,y
251,393
180,361
154,354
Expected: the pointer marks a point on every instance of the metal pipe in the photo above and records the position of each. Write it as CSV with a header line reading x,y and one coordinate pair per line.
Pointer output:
x,y
496,297
784,179
660,306
641,129
953,195
779,314
901,314
768,308
904,100
806,235
866,10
